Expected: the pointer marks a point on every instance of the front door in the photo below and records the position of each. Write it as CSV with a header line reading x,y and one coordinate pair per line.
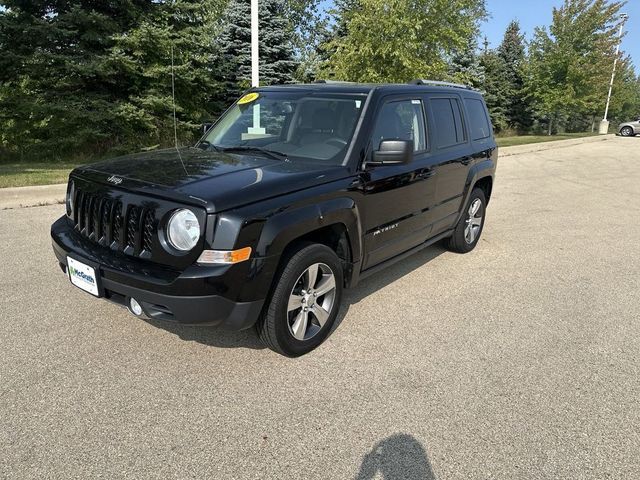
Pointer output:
x,y
397,198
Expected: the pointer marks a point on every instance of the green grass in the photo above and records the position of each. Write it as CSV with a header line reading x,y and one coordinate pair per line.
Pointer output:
x,y
23,174
525,139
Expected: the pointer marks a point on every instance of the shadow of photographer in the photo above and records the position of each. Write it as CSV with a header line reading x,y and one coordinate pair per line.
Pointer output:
x,y
398,457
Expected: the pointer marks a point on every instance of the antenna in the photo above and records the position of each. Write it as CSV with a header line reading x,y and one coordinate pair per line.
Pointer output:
x,y
175,120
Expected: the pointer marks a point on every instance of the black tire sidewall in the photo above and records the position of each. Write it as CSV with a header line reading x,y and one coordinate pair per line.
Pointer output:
x,y
296,265
459,242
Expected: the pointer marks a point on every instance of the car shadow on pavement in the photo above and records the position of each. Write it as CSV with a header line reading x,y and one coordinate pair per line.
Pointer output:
x,y
380,280
218,337
398,457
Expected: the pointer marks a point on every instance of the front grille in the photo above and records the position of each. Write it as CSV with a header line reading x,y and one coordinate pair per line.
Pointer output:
x,y
109,222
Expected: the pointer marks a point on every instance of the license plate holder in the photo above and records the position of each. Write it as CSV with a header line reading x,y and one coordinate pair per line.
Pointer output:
x,y
84,275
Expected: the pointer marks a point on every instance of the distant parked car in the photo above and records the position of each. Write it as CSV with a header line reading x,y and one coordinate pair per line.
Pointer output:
x,y
629,129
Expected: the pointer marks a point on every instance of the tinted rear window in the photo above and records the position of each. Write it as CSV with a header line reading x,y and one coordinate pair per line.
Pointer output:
x,y
478,122
448,124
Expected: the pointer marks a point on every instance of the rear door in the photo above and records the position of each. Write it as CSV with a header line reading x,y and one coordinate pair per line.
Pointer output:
x,y
452,156
397,198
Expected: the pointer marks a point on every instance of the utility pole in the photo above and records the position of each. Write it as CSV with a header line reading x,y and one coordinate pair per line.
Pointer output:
x,y
604,124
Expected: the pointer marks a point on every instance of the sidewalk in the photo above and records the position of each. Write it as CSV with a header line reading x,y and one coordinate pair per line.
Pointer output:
x,y
18,197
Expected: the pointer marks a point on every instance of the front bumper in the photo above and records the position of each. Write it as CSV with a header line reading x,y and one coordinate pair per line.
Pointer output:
x,y
229,296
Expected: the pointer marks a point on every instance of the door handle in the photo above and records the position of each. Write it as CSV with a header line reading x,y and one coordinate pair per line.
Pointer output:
x,y
426,173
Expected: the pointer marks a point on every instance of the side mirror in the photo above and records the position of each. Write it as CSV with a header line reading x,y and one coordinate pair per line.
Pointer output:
x,y
393,152
206,126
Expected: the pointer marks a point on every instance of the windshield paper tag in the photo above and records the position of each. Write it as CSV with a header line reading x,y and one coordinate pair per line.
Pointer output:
x,y
248,98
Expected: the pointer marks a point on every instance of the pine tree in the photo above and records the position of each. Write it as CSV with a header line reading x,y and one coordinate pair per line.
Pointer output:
x,y
277,63
57,89
187,30
494,87
465,66
512,53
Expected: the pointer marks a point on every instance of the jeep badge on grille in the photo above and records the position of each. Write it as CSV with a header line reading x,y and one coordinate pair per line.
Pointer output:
x,y
115,180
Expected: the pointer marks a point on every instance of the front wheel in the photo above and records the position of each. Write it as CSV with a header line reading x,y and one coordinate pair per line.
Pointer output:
x,y
467,232
626,131
304,303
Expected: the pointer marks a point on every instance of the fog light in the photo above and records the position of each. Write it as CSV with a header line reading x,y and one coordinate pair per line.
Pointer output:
x,y
135,307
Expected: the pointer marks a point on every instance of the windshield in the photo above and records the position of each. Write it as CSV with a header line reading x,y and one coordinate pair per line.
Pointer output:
x,y
292,126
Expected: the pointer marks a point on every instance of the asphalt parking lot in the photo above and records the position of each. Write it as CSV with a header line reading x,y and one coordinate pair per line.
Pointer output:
x,y
518,360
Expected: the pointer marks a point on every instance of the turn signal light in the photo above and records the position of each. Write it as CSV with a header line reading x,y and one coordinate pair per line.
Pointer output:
x,y
224,257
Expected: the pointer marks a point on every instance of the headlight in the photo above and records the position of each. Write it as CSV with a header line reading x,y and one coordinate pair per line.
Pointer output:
x,y
70,194
183,230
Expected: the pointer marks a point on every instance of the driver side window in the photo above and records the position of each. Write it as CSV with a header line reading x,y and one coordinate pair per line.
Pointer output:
x,y
401,120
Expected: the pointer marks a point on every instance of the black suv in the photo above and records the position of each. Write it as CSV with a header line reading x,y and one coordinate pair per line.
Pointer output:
x,y
295,193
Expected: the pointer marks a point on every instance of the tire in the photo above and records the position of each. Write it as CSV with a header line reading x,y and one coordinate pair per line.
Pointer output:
x,y
282,326
460,240
627,132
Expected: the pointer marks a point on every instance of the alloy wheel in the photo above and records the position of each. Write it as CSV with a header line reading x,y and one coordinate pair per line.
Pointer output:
x,y
473,221
311,301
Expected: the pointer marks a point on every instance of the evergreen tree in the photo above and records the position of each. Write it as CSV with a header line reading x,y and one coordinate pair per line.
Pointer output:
x,y
57,89
494,90
187,30
276,41
465,66
512,53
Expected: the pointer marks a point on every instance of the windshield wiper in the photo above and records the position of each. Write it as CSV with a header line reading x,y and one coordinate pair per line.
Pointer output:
x,y
270,153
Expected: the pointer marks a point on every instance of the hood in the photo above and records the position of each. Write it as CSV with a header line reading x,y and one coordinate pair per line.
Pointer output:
x,y
218,180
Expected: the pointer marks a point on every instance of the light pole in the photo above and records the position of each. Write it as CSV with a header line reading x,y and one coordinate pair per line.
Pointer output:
x,y
255,129
255,56
604,124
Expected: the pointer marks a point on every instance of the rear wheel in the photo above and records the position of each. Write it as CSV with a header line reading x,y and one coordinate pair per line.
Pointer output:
x,y
626,131
304,303
467,232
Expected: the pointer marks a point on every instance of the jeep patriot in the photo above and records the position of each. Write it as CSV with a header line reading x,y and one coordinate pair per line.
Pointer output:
x,y
294,194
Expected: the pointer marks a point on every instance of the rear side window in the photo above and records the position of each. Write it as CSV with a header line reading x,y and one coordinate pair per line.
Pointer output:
x,y
448,122
478,122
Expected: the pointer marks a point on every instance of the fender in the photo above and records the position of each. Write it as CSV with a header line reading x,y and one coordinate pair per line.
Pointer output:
x,y
480,170
290,224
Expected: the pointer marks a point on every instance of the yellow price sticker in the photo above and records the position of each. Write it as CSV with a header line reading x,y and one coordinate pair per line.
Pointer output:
x,y
248,98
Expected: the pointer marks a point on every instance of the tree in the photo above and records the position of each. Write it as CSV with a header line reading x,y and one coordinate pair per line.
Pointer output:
x,y
570,65
185,30
56,86
494,87
396,40
276,44
512,53
465,66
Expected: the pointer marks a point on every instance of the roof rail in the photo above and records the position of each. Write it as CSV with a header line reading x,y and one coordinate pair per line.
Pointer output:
x,y
421,81
332,82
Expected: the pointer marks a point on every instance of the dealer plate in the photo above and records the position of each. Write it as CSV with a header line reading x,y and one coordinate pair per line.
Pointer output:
x,y
82,276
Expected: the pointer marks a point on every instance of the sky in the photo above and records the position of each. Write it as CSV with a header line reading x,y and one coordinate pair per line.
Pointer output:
x,y
534,13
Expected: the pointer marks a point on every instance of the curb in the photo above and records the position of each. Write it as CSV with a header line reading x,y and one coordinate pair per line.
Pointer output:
x,y
36,196
538,147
